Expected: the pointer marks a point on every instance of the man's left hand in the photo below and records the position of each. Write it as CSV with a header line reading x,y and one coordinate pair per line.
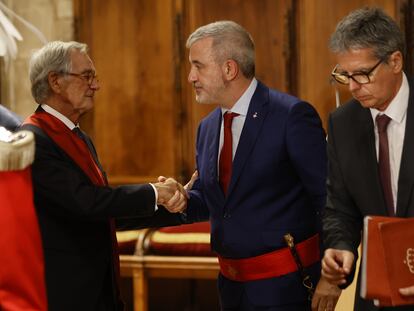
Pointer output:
x,y
326,296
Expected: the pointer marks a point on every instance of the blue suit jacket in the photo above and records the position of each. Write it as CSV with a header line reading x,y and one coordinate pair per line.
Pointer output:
x,y
277,186
9,119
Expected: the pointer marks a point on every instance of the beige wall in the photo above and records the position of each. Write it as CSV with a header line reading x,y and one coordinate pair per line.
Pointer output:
x,y
54,18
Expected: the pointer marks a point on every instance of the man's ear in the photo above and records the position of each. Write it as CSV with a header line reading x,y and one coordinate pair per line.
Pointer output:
x,y
230,69
54,82
396,61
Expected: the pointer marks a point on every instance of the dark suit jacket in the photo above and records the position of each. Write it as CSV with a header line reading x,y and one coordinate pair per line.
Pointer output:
x,y
8,119
74,221
354,188
277,186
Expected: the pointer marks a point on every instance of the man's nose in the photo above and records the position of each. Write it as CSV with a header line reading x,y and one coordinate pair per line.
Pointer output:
x,y
95,85
353,85
192,77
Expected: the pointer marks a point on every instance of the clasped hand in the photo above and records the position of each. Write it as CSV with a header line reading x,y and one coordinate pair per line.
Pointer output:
x,y
172,195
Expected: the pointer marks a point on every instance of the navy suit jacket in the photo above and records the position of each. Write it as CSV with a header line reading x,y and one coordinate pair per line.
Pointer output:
x,y
277,186
8,119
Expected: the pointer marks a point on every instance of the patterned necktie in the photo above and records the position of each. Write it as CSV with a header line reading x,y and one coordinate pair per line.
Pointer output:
x,y
226,155
384,161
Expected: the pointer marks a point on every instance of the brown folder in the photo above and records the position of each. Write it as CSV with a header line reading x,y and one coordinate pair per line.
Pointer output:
x,y
387,259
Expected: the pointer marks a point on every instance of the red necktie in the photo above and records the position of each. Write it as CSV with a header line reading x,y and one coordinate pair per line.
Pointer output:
x,y
384,161
226,155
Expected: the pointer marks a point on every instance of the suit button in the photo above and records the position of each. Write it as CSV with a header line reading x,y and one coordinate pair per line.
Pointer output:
x,y
226,215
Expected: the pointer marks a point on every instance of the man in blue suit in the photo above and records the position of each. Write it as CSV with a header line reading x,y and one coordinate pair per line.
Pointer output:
x,y
261,161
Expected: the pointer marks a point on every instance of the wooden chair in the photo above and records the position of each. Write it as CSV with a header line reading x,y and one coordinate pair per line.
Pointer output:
x,y
144,264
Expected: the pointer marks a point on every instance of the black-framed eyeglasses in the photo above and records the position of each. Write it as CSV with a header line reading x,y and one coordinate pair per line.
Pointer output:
x,y
358,77
89,76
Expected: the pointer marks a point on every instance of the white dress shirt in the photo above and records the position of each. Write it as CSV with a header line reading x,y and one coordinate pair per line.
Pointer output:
x,y
397,111
241,107
60,116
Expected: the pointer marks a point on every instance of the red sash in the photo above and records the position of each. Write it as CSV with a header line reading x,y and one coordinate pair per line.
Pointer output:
x,y
79,152
270,265
69,142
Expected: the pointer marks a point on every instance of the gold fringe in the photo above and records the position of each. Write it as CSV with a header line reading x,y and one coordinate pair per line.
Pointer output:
x,y
130,235
17,150
180,238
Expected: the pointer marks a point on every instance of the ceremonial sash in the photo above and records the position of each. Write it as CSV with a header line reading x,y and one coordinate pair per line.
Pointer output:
x,y
69,142
270,265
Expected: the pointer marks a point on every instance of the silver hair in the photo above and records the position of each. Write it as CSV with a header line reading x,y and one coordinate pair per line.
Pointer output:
x,y
53,57
368,28
230,41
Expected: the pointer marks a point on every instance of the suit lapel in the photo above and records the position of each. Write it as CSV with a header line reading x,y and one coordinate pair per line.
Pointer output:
x,y
255,117
368,158
406,175
214,136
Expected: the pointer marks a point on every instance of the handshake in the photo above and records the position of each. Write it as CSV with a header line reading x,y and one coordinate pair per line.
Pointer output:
x,y
173,195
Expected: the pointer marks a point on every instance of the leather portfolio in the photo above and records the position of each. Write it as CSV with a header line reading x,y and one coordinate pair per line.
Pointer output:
x,y
387,259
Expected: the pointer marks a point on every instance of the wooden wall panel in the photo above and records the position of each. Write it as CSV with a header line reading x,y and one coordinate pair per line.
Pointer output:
x,y
264,19
145,120
407,24
317,20
134,116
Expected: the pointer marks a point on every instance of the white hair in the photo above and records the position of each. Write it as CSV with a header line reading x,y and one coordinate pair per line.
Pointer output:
x,y
53,57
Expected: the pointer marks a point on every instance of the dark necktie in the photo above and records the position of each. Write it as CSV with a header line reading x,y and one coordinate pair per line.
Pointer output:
x,y
226,155
90,146
114,242
384,161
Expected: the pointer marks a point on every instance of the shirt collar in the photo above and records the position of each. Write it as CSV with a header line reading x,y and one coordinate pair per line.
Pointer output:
x,y
242,105
397,108
60,116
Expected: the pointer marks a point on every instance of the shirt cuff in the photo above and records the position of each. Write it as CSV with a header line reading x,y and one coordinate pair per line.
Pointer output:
x,y
156,196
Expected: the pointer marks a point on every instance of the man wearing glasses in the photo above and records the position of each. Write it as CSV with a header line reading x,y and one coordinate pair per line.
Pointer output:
x,y
370,144
75,206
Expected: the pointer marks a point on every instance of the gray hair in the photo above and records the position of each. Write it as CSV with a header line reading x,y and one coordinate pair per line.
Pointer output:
x,y
53,57
368,28
230,41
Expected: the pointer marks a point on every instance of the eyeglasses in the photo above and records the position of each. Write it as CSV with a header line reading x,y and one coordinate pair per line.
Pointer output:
x,y
89,76
358,77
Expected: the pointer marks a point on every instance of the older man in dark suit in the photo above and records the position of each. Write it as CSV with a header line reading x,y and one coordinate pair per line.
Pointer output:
x,y
370,142
75,206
